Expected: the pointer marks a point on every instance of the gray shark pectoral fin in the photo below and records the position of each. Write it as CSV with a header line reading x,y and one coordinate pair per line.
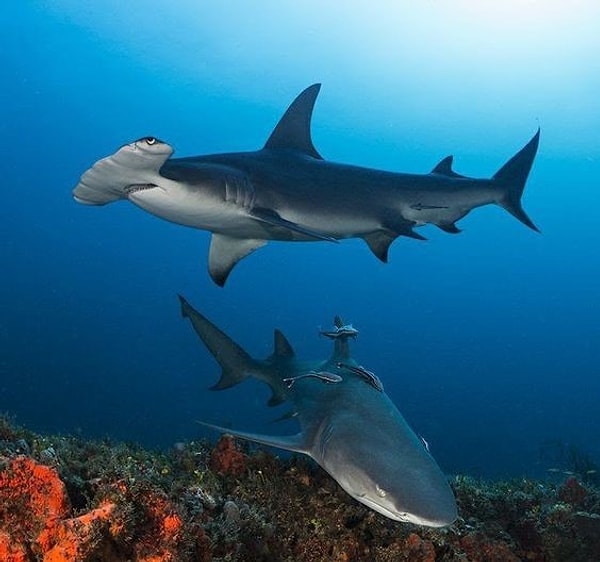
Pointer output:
x,y
293,443
274,219
225,252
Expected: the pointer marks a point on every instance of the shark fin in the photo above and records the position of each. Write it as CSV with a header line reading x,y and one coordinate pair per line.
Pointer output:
x,y
225,252
512,177
396,226
274,219
449,227
235,363
281,346
444,168
379,243
410,233
293,443
293,130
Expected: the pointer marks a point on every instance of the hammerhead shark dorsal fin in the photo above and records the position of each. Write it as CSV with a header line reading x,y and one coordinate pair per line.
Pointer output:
x,y
293,130
281,346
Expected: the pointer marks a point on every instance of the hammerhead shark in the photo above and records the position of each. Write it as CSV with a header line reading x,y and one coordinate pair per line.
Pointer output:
x,y
348,424
287,191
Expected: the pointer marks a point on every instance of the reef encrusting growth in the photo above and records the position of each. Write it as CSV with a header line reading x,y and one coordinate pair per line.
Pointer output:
x,y
67,499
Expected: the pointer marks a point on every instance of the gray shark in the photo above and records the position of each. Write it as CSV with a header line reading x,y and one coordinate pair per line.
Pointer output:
x,y
348,425
287,191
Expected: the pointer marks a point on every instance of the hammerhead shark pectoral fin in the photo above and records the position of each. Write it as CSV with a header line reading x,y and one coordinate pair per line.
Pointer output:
x,y
225,251
294,443
274,219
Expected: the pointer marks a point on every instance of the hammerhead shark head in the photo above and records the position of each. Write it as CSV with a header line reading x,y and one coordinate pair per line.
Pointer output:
x,y
287,191
348,424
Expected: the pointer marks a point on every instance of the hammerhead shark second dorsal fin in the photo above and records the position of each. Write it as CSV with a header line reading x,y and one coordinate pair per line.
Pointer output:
x,y
293,130
444,168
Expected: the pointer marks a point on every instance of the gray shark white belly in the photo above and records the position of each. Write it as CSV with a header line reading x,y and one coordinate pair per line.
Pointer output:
x,y
348,424
286,191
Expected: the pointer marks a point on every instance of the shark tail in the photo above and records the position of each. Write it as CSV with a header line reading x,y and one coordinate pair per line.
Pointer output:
x,y
236,364
512,177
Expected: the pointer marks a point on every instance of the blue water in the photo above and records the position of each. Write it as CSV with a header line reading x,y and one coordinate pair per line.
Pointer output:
x,y
487,341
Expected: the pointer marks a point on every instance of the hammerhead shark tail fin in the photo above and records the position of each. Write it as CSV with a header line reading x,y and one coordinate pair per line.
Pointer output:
x,y
512,177
235,363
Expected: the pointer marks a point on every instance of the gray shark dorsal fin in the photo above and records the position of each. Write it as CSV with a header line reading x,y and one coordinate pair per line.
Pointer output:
x,y
293,130
337,321
295,443
281,345
225,252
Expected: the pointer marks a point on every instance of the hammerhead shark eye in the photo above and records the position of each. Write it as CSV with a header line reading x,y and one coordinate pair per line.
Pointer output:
x,y
150,141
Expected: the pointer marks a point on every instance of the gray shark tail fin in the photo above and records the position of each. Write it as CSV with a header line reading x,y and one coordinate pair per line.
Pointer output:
x,y
235,363
512,177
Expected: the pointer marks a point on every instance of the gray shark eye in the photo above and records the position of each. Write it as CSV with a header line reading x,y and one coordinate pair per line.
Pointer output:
x,y
151,140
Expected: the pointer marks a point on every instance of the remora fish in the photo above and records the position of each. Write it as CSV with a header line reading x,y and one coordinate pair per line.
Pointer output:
x,y
286,191
347,425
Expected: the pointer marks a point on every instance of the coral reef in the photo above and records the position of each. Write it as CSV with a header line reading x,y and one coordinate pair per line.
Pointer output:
x,y
67,499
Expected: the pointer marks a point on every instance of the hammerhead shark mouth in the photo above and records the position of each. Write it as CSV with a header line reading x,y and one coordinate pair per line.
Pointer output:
x,y
286,191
